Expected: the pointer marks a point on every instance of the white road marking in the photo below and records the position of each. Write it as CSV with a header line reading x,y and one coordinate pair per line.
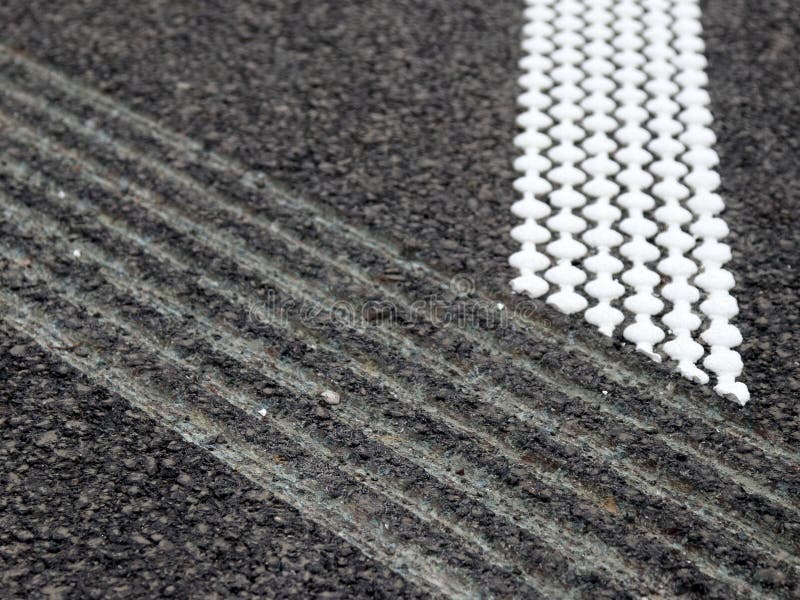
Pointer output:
x,y
618,185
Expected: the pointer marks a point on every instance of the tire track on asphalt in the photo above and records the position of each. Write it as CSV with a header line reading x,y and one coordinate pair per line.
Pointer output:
x,y
566,385
304,384
730,449
522,372
610,449
624,371
90,253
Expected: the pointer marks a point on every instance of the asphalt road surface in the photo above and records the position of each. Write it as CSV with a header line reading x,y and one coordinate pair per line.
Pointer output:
x,y
213,212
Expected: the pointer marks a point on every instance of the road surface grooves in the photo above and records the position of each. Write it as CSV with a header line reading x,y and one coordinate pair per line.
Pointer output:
x,y
122,279
253,191
513,442
733,455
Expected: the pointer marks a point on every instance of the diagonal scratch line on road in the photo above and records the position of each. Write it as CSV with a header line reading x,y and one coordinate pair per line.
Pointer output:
x,y
239,253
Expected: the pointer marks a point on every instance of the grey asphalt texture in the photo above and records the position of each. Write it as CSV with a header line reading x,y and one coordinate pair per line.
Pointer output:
x,y
397,118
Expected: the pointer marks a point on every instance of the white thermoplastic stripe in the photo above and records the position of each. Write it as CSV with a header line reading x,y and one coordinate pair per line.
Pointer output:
x,y
618,186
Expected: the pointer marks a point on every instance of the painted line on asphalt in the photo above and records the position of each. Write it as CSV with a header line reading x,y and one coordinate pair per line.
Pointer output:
x,y
617,134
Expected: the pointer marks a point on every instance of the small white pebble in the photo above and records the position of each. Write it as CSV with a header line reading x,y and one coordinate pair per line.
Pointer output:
x,y
61,194
500,306
605,392
330,397
263,412
76,253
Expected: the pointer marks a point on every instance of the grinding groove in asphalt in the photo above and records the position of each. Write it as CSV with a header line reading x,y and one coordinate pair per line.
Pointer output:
x,y
255,261
182,145
91,310
88,254
730,455
299,385
605,359
650,469
683,466
184,367
518,406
